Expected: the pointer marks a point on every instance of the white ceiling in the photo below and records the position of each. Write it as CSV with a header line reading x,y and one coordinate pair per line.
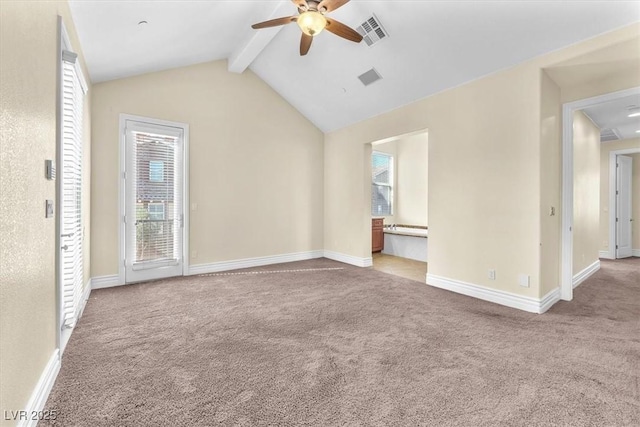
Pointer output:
x,y
432,45
614,115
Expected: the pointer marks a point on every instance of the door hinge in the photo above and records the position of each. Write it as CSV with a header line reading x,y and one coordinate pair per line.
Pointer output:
x,y
124,219
617,192
616,246
616,219
124,175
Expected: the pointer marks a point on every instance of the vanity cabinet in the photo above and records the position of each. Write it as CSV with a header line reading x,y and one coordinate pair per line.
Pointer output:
x,y
377,234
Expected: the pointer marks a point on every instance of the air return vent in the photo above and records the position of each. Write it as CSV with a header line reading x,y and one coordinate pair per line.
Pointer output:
x,y
372,31
609,135
369,77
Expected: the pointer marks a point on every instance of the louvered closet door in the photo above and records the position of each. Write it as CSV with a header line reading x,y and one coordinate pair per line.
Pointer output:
x,y
153,201
70,174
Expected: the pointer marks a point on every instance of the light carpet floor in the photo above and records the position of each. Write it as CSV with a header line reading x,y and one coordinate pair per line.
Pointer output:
x,y
350,346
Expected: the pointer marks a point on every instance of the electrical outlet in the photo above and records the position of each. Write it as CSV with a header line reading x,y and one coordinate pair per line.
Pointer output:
x,y
523,280
492,274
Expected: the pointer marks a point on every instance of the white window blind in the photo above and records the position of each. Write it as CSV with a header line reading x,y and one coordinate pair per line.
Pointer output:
x,y
381,184
73,90
156,175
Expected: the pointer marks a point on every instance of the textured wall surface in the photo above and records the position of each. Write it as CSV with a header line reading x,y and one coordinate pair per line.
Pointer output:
x,y
256,164
27,239
586,191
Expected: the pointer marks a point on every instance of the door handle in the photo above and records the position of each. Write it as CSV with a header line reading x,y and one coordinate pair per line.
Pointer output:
x,y
67,235
64,248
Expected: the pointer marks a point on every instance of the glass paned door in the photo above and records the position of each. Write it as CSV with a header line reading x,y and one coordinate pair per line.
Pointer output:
x,y
153,201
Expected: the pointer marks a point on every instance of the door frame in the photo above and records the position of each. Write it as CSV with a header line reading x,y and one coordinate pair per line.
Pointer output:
x,y
566,260
122,191
613,202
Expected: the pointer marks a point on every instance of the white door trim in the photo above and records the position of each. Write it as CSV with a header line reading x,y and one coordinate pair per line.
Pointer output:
x,y
566,279
121,190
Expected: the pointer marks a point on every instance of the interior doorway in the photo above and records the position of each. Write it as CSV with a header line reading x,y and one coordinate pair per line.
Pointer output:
x,y
153,231
397,172
570,276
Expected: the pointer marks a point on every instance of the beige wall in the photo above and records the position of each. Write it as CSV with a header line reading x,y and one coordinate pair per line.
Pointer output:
x,y
586,191
256,164
485,167
413,180
477,219
28,61
605,150
550,188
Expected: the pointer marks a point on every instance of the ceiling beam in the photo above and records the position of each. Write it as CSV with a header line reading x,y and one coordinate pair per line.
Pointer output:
x,y
257,40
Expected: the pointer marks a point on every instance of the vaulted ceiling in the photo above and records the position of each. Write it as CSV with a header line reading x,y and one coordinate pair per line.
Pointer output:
x,y
432,45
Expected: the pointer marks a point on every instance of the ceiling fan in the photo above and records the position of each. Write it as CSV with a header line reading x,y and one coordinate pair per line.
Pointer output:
x,y
312,21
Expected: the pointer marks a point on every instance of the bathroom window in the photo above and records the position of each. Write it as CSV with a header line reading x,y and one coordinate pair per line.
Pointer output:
x,y
381,184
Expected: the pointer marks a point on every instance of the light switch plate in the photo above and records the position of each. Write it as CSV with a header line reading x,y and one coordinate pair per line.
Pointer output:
x,y
48,209
523,280
50,169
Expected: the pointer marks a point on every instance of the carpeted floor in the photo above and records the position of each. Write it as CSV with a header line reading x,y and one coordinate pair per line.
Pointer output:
x,y
350,346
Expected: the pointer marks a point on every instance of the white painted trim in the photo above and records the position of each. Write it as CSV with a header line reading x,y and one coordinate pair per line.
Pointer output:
x,y
121,190
635,252
586,273
66,333
85,297
566,266
547,301
236,264
105,281
613,205
349,259
41,391
605,255
520,302
257,41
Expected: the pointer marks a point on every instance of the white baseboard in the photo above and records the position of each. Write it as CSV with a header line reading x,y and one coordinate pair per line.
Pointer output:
x,y
85,296
586,273
604,254
66,333
41,392
349,259
105,281
635,252
530,304
236,264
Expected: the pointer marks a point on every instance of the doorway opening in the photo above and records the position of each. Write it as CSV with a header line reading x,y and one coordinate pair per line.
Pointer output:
x,y
154,194
397,169
594,131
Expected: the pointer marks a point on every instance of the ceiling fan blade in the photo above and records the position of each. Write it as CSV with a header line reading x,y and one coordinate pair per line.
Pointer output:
x,y
274,22
301,4
305,44
331,5
339,29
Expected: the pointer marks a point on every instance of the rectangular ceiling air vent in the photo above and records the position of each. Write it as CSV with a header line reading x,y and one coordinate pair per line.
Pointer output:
x,y
369,77
609,135
372,31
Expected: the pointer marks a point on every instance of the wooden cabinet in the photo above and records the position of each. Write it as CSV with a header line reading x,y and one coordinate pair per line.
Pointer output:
x,y
377,234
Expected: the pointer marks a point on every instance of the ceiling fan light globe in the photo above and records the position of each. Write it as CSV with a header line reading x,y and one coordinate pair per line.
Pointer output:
x,y
311,22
